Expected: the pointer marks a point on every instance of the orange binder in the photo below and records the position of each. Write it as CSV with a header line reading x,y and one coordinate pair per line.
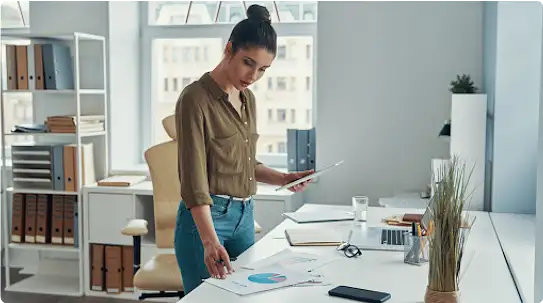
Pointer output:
x,y
31,202
128,268
69,168
114,280
57,231
97,267
43,222
11,66
22,67
38,67
68,223
18,218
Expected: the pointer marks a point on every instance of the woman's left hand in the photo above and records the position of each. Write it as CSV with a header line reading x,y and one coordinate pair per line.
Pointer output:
x,y
290,177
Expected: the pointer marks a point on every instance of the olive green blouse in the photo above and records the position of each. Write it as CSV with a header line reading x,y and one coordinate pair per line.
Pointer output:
x,y
216,145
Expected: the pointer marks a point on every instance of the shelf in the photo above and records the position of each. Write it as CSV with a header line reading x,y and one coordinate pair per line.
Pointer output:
x,y
57,91
57,36
89,134
48,284
40,191
43,247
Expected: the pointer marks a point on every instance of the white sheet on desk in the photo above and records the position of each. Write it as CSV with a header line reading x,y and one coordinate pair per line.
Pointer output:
x,y
295,261
242,282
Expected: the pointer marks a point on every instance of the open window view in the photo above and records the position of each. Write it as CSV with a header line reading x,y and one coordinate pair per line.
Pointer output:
x,y
284,94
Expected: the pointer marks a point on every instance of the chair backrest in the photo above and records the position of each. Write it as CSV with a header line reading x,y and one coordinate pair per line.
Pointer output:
x,y
162,162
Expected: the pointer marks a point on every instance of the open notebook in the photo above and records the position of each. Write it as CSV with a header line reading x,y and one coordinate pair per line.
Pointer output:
x,y
312,237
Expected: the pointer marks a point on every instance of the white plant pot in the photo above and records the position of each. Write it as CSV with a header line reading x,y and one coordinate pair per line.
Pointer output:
x,y
468,141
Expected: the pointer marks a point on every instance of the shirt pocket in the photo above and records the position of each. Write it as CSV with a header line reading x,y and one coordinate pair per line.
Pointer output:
x,y
226,155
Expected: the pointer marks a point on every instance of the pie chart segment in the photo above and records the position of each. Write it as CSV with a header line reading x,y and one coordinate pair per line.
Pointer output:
x,y
267,278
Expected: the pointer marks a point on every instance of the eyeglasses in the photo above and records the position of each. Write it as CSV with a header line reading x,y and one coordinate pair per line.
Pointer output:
x,y
350,251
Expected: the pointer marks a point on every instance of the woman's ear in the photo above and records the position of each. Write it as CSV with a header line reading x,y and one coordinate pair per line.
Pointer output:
x,y
228,50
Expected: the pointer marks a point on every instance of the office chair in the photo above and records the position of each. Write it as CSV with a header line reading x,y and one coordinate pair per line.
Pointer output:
x,y
160,277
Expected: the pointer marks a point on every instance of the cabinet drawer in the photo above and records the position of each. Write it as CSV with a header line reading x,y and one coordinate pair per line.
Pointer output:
x,y
108,214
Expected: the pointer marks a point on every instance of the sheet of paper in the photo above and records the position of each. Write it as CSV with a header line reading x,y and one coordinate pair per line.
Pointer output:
x,y
296,261
245,282
313,217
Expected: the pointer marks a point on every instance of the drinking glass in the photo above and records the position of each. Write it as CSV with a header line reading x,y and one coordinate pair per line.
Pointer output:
x,y
360,208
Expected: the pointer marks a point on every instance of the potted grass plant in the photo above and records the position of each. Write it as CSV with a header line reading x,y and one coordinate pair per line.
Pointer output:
x,y
450,227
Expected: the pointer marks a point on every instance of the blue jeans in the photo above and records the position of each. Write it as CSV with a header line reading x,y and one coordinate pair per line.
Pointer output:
x,y
234,225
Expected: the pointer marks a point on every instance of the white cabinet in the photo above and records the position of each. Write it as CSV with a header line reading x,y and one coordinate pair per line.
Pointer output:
x,y
108,209
108,214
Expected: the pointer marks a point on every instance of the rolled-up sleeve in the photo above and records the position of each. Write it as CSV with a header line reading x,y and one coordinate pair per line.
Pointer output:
x,y
192,157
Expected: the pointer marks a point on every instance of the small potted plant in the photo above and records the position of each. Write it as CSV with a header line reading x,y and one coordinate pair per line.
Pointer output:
x,y
463,85
449,231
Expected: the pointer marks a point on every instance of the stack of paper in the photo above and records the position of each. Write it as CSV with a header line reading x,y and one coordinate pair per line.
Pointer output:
x,y
312,237
67,124
245,282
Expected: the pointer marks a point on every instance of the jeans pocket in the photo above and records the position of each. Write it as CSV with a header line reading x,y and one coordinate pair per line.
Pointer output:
x,y
220,207
219,211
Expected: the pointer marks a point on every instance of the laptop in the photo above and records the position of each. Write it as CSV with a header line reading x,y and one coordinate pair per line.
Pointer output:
x,y
384,237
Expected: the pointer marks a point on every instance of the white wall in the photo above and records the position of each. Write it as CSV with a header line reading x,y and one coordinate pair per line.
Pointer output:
x,y
383,71
538,270
516,106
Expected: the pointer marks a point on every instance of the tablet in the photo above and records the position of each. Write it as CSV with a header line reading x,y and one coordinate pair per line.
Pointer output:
x,y
309,177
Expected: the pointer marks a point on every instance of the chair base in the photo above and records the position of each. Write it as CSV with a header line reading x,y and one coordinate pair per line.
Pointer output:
x,y
162,294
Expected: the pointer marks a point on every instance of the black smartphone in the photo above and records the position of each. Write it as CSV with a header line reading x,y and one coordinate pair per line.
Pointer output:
x,y
358,294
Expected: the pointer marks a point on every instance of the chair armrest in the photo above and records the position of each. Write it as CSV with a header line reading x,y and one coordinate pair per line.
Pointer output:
x,y
136,227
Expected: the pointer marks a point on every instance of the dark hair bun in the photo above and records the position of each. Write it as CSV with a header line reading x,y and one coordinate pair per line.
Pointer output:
x,y
258,13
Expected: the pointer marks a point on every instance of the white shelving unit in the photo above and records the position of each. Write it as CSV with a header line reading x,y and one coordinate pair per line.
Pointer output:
x,y
63,275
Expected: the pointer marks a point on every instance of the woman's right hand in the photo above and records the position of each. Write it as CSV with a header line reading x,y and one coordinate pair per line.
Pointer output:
x,y
216,259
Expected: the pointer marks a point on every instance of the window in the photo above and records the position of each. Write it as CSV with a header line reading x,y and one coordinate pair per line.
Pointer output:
x,y
198,48
186,81
281,83
15,14
166,54
308,51
292,116
281,52
186,54
270,148
281,115
176,53
281,147
307,83
292,84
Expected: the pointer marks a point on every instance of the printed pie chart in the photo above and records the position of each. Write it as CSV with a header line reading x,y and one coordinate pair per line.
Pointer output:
x,y
267,278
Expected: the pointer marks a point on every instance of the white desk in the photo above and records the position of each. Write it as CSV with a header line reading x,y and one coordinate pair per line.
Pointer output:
x,y
516,233
488,279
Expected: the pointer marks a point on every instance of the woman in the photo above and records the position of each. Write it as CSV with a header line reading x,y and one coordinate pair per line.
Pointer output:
x,y
216,120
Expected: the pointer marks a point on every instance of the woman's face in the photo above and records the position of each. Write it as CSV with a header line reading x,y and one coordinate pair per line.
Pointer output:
x,y
246,66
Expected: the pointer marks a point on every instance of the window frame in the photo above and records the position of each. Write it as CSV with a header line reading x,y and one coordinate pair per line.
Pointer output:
x,y
148,33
